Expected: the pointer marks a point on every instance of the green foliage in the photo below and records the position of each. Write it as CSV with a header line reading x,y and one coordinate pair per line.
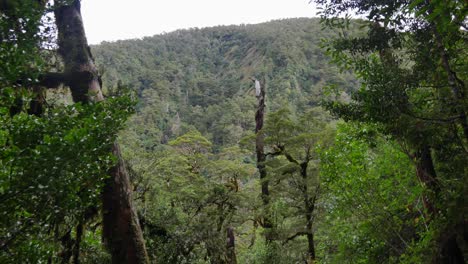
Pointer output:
x,y
92,251
262,252
189,197
20,42
191,143
292,142
42,183
373,201
52,166
412,65
201,78
196,104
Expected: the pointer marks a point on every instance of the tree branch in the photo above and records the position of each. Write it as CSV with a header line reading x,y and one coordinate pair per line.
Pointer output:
x,y
280,150
53,79
300,233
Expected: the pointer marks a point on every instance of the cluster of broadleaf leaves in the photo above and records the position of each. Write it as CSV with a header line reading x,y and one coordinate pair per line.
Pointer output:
x,y
412,65
53,166
372,201
188,196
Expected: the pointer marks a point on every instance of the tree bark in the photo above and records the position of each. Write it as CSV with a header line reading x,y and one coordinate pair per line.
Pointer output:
x,y
261,158
427,176
231,246
450,252
121,229
75,52
309,210
67,244
122,233
76,249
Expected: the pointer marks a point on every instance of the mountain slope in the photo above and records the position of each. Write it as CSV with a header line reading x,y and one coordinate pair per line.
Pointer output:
x,y
201,77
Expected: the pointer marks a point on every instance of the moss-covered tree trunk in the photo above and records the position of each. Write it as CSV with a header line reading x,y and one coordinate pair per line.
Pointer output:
x,y
122,232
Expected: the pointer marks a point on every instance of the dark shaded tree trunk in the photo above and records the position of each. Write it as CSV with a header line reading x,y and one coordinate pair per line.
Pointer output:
x,y
261,158
231,246
121,226
67,244
309,210
122,232
76,249
310,245
450,252
426,174
83,77
254,233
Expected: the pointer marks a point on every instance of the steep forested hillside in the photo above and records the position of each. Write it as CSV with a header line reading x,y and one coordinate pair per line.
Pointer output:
x,y
202,77
191,143
305,187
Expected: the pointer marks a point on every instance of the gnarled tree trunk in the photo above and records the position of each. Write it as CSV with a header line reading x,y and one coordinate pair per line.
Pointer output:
x,y
122,232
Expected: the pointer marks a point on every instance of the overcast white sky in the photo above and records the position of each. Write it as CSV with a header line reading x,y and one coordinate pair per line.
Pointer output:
x,y
109,20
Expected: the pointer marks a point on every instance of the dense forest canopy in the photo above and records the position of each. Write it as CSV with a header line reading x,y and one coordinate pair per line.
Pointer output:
x,y
201,77
306,140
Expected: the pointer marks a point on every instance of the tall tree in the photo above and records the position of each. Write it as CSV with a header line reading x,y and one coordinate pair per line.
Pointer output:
x,y
191,201
46,191
294,143
122,232
261,159
413,71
